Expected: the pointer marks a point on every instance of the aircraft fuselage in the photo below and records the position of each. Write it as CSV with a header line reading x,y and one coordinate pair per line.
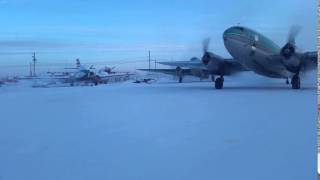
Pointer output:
x,y
254,51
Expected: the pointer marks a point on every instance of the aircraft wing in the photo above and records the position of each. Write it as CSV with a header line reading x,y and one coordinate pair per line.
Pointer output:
x,y
233,67
230,67
185,64
169,71
226,67
310,60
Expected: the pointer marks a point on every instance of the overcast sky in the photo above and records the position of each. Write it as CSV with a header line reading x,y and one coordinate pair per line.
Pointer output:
x,y
98,30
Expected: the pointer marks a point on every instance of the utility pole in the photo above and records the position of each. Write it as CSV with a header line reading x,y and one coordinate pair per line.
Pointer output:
x,y
34,63
149,60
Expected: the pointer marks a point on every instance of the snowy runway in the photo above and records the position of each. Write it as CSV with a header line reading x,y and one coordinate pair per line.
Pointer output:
x,y
158,131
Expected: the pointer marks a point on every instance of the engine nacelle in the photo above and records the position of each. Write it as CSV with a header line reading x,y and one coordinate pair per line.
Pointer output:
x,y
293,63
213,62
288,50
290,58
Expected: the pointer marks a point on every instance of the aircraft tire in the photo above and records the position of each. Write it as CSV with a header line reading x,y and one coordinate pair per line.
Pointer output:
x,y
295,82
219,83
180,79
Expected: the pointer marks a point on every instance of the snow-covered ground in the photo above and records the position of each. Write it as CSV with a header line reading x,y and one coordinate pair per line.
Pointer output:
x,y
260,129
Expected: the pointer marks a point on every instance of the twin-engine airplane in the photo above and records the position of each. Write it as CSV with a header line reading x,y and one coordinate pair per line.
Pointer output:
x,y
251,51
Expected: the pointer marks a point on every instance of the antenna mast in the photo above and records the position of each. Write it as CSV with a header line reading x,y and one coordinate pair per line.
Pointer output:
x,y
149,60
34,63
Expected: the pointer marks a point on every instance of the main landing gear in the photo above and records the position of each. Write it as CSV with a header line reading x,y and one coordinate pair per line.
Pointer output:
x,y
218,84
295,81
180,79
179,72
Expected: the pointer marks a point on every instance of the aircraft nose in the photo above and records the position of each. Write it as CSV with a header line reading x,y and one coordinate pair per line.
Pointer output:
x,y
235,30
226,34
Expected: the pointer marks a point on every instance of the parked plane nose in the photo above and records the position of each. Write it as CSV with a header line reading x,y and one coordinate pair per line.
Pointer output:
x,y
227,33
235,30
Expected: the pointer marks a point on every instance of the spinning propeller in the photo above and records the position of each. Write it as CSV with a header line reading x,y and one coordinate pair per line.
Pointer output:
x,y
289,48
206,54
291,59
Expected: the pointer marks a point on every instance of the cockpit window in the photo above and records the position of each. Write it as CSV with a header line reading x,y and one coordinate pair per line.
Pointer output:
x,y
240,28
236,30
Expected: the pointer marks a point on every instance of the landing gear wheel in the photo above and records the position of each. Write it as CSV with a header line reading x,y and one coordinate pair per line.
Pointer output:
x,y
219,83
287,81
295,82
180,79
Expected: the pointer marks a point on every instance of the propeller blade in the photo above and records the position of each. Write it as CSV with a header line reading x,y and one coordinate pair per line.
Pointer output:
x,y
293,33
205,45
289,48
